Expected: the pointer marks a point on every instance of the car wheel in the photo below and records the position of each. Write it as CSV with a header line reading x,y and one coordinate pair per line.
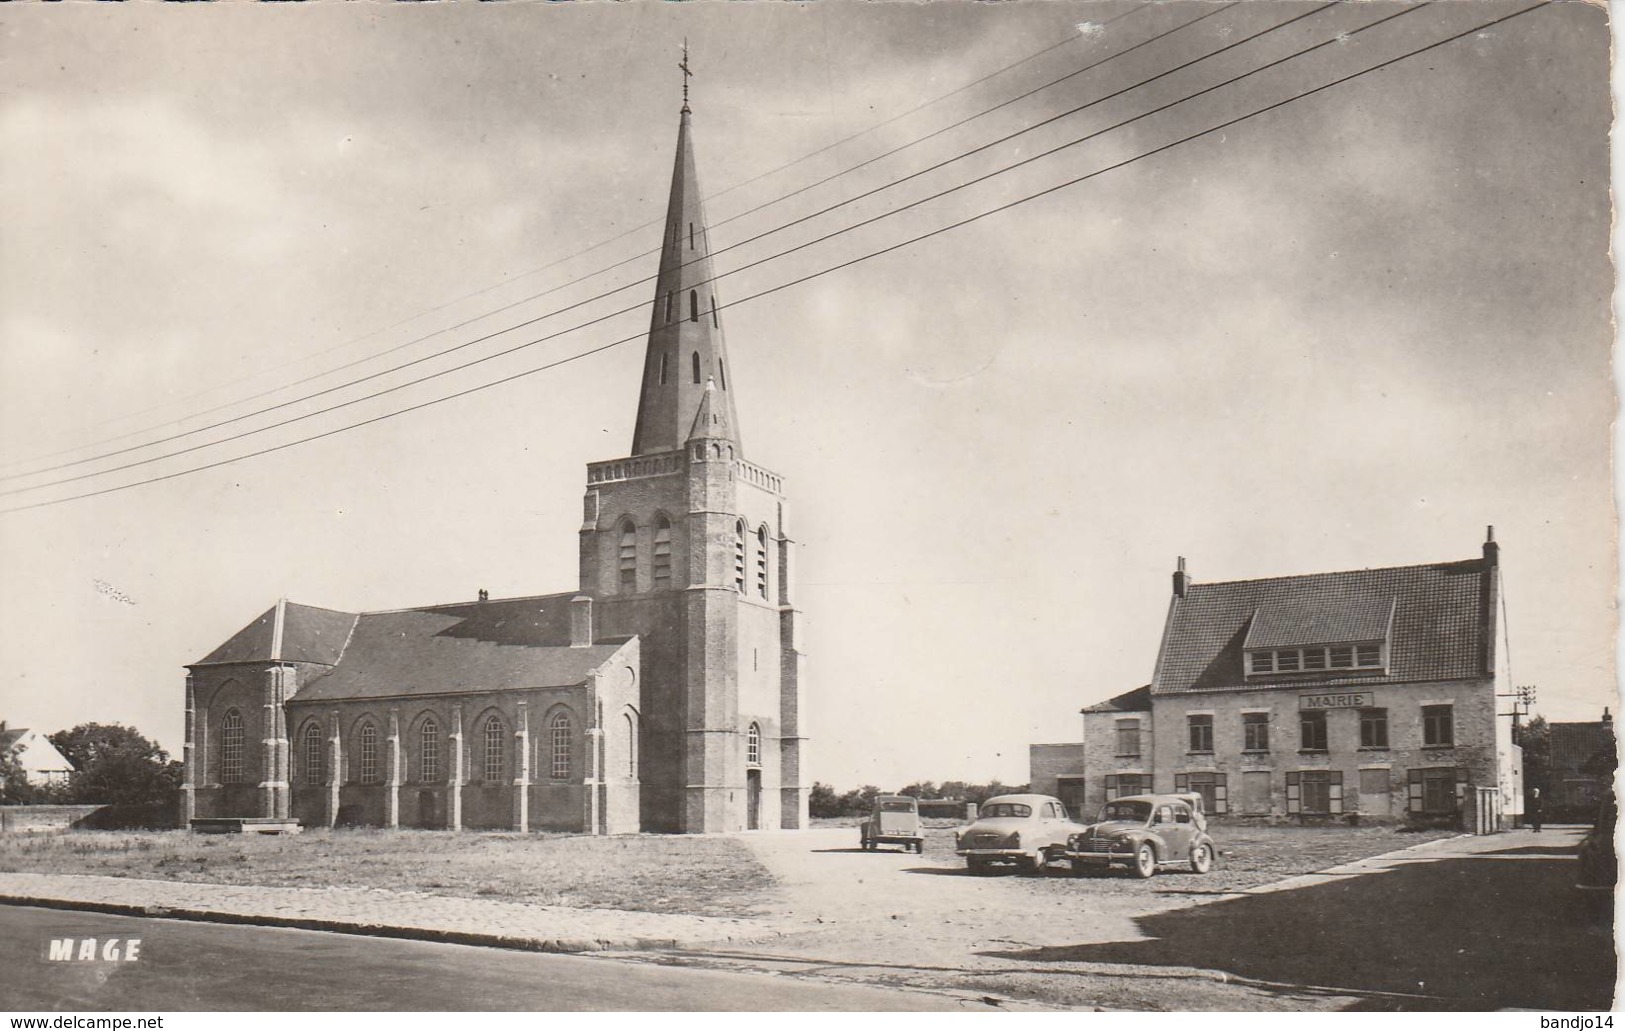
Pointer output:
x,y
1145,861
1202,858
1028,864
1081,869
919,848
978,867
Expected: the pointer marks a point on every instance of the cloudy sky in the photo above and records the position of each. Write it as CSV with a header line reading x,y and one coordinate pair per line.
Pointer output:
x,y
1349,332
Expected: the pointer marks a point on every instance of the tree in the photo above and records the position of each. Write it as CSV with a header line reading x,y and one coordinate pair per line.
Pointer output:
x,y
822,801
117,765
1535,738
14,786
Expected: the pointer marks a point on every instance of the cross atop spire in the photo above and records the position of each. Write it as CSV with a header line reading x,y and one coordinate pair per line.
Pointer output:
x,y
687,74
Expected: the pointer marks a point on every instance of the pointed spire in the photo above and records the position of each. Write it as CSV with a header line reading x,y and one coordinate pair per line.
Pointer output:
x,y
712,421
685,348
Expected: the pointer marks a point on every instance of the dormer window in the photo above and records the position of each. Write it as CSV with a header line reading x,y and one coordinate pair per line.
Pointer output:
x,y
1316,658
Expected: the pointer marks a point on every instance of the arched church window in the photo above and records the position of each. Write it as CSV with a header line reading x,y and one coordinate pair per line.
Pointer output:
x,y
693,306
369,753
231,747
662,552
671,300
663,357
722,374
629,557
714,323
561,734
761,561
429,750
691,236
753,746
694,360
313,754
496,733
739,556
631,746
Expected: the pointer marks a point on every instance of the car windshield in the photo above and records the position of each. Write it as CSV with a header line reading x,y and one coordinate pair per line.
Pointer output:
x,y
897,807
1006,809
1135,812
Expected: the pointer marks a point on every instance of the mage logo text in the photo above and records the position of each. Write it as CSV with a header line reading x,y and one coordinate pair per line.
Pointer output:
x,y
88,950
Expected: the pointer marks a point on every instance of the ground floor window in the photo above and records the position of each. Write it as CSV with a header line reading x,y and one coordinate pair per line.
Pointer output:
x,y
1255,792
1211,786
1437,790
1119,785
1314,792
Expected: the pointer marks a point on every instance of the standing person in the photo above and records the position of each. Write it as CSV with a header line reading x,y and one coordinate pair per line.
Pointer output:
x,y
1534,810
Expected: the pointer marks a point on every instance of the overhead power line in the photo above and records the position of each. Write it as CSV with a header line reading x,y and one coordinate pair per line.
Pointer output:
x,y
640,304
1219,127
1071,39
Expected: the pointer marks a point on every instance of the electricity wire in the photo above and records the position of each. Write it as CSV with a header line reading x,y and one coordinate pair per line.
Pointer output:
x,y
821,272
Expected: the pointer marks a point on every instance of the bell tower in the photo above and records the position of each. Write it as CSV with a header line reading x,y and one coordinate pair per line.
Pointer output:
x,y
685,544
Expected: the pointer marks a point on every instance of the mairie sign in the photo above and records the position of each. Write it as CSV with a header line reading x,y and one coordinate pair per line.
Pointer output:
x,y
1359,700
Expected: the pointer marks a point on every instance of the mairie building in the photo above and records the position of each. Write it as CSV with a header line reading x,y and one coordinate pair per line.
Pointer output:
x,y
1372,693
662,693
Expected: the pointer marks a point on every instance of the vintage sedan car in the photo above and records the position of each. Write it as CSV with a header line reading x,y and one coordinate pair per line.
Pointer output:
x,y
1023,831
895,821
1143,833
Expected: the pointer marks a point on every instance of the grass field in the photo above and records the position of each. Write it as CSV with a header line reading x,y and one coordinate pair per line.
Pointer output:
x,y
700,875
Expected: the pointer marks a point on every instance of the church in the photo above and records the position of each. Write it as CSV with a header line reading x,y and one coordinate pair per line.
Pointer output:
x,y
662,694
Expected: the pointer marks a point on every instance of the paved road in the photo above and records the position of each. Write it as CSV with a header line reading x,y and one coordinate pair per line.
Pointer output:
x,y
196,966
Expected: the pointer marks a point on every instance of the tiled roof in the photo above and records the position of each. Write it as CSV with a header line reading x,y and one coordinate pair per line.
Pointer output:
x,y
309,634
1574,743
1437,630
469,646
1285,622
11,736
1137,700
474,646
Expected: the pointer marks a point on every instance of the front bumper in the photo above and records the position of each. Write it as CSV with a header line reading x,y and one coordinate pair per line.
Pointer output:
x,y
1097,858
993,853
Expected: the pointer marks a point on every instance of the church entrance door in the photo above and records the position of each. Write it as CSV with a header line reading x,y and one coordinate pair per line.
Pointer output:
x,y
753,800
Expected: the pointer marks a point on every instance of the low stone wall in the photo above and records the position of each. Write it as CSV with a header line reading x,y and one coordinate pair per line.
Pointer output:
x,y
44,819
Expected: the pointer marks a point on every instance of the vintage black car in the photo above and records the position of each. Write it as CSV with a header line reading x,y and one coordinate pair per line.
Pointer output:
x,y
1143,833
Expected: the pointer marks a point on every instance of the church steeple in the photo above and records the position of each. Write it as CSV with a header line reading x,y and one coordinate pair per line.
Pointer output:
x,y
685,348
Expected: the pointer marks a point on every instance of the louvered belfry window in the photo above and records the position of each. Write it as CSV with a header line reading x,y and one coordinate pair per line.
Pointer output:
x,y
662,553
629,558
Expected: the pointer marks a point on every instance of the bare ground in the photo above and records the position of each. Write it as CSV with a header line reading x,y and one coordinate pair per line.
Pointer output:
x,y
701,876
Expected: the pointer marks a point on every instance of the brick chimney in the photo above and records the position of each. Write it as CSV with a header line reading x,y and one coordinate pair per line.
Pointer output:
x,y
580,621
1182,579
1492,550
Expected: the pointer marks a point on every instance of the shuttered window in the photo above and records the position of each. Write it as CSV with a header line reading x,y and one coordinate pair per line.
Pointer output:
x,y
1314,792
1211,786
1437,790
